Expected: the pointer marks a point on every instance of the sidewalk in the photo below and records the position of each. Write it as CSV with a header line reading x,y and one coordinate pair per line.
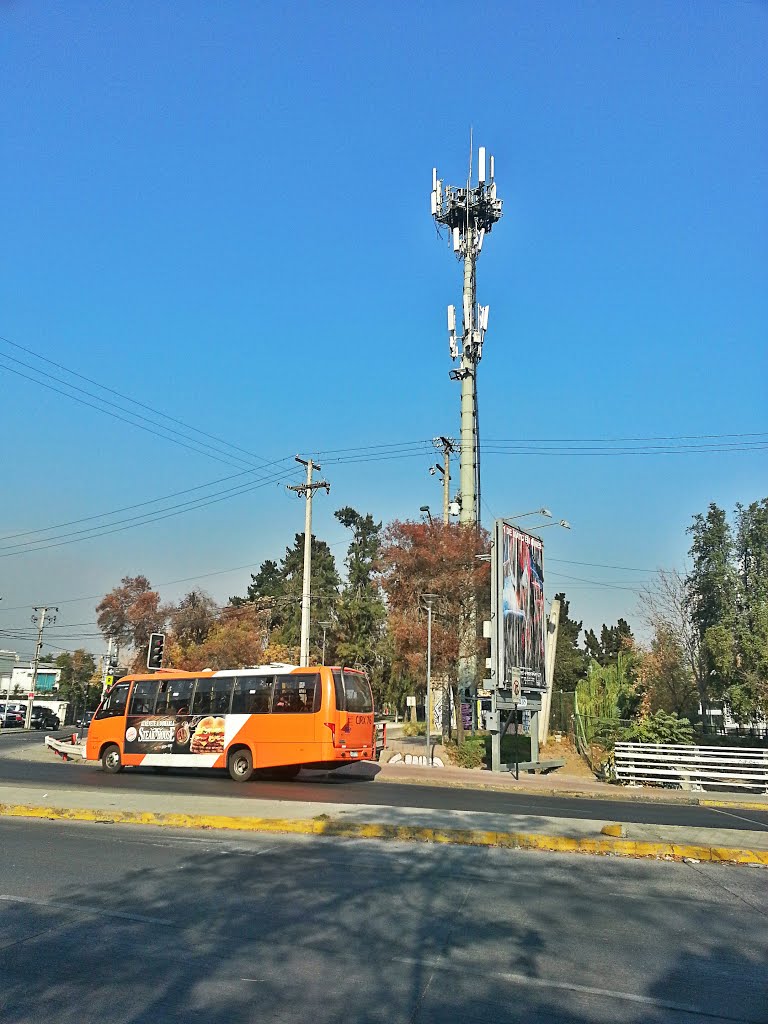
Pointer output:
x,y
557,783
371,821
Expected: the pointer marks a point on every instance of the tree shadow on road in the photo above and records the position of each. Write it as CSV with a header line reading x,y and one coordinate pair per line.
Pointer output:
x,y
306,929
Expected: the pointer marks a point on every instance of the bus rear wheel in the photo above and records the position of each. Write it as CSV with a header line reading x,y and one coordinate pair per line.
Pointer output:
x,y
240,764
111,761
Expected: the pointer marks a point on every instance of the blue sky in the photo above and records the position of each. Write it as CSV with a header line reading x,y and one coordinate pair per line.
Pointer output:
x,y
223,212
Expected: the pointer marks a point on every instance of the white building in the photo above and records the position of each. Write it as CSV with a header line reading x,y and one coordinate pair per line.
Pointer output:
x,y
47,680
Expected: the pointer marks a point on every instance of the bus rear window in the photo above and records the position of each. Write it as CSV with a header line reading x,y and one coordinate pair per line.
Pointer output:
x,y
352,692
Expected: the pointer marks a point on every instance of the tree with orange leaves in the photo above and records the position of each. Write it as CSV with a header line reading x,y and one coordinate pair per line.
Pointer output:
x,y
435,558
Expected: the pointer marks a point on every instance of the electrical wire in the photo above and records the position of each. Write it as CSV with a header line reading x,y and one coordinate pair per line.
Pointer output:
x,y
126,398
135,521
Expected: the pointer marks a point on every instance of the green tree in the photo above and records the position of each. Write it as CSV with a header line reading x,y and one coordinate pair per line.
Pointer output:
x,y
324,590
570,660
360,626
277,587
660,727
748,693
612,640
712,597
78,682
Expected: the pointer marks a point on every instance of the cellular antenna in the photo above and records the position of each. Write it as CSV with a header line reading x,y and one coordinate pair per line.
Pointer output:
x,y
469,215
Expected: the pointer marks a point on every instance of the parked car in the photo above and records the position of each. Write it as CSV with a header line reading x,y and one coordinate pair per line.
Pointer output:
x,y
44,718
10,718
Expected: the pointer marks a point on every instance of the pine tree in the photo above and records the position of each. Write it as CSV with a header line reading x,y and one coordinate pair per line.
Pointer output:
x,y
570,660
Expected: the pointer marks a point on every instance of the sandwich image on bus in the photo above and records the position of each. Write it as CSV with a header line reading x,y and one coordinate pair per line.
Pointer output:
x,y
276,717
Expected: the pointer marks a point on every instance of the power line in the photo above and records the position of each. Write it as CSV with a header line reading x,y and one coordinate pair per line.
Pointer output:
x,y
139,504
113,414
125,398
135,521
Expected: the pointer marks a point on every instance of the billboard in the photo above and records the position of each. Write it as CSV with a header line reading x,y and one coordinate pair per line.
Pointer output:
x,y
520,579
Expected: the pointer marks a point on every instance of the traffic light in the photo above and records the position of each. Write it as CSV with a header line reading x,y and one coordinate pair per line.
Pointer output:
x,y
155,652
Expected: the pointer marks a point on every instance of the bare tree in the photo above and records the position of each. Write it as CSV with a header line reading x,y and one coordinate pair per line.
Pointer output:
x,y
665,608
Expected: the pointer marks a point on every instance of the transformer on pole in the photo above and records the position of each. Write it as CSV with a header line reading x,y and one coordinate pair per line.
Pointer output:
x,y
469,214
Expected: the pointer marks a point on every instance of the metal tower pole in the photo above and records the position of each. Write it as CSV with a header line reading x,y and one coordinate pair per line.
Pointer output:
x,y
467,454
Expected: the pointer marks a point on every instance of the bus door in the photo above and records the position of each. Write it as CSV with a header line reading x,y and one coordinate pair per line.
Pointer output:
x,y
354,732
108,724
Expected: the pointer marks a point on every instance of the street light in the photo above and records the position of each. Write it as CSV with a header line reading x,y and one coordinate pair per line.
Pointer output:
x,y
536,512
324,626
425,508
563,522
428,601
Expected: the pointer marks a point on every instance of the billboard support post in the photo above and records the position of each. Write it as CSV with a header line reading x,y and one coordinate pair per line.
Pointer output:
x,y
518,631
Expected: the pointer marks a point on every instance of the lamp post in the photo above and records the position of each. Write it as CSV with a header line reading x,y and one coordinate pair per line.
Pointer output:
x,y
428,600
425,508
324,626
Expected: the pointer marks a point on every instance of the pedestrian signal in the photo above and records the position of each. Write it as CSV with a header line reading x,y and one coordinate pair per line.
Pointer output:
x,y
155,652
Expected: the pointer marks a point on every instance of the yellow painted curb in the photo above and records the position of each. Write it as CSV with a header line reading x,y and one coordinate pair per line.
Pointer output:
x,y
733,805
353,830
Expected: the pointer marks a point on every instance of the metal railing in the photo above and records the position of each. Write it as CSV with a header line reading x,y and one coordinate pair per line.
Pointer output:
x,y
683,766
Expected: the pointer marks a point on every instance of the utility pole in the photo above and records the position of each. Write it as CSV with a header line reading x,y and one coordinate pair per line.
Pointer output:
x,y
306,490
324,626
42,618
428,601
469,214
447,446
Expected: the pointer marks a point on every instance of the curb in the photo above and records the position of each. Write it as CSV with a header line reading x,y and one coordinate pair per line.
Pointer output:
x,y
323,826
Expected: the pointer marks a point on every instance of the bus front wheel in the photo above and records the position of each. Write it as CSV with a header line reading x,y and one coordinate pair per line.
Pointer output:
x,y
111,761
240,764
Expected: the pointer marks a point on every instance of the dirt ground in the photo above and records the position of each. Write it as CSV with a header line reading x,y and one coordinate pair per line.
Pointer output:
x,y
574,762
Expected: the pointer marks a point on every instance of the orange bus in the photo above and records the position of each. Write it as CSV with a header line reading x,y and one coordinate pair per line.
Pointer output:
x,y
278,717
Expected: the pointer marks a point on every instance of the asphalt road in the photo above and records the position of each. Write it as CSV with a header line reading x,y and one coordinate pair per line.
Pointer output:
x,y
100,923
341,790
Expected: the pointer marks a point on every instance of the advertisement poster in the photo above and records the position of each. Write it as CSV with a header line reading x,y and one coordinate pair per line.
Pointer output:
x,y
174,734
523,620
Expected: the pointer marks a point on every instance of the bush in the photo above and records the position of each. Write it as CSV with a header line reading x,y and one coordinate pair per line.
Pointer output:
x,y
471,753
414,729
659,728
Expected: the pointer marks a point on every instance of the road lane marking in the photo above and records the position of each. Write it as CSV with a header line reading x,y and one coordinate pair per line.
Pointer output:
x,y
441,964
88,911
752,821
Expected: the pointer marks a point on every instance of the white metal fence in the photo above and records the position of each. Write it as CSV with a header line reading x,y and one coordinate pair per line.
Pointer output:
x,y
689,767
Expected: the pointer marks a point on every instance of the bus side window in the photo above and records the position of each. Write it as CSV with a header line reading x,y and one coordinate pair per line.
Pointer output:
x,y
201,704
222,695
143,697
252,695
297,694
180,695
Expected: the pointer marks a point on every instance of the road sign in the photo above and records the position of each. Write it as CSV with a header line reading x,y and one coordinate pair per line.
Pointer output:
x,y
516,688
109,680
522,702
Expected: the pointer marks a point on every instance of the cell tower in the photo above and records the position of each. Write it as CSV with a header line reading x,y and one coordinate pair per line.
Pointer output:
x,y
469,214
